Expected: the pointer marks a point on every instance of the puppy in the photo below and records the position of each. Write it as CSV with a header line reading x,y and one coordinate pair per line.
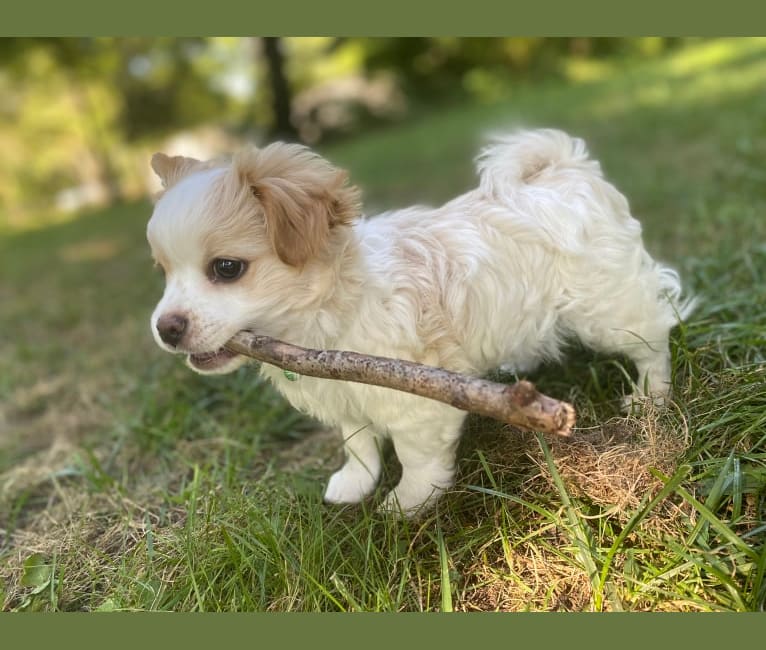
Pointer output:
x,y
544,250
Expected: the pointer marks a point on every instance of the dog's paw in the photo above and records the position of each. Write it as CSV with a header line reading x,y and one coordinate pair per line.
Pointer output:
x,y
399,503
350,484
638,403
391,506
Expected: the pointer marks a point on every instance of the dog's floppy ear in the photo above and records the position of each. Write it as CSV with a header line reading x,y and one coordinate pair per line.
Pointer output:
x,y
303,198
172,169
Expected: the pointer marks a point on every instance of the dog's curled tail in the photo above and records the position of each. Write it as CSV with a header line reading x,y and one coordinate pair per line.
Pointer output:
x,y
520,157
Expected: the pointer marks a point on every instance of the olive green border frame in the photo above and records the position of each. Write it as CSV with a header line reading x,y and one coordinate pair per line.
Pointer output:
x,y
421,631
384,18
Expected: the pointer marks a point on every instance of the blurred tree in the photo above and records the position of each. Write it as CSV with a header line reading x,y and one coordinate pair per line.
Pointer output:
x,y
74,66
165,85
110,92
430,67
281,104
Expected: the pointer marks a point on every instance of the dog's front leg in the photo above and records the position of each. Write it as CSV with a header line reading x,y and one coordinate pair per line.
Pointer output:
x,y
360,473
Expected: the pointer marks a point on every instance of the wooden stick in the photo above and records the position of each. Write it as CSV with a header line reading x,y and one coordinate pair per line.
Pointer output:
x,y
518,404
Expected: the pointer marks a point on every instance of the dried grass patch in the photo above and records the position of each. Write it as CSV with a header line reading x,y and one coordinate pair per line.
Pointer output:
x,y
607,470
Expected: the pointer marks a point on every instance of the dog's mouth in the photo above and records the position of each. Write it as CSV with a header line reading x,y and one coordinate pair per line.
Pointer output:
x,y
211,360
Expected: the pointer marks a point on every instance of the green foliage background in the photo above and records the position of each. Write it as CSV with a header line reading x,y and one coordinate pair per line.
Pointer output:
x,y
88,111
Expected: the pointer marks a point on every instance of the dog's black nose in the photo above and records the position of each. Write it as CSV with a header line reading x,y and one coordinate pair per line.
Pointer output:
x,y
171,328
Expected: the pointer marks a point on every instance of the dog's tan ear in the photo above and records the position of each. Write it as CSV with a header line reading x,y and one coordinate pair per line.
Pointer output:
x,y
172,169
303,198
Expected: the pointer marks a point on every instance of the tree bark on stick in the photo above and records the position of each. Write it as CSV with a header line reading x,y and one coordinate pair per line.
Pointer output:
x,y
519,404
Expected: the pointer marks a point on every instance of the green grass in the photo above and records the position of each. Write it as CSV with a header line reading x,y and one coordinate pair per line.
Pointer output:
x,y
128,482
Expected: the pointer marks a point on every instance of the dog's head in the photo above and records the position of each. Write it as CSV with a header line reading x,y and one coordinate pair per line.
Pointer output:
x,y
243,245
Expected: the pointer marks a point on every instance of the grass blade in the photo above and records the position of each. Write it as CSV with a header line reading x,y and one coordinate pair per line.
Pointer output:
x,y
446,587
582,535
670,485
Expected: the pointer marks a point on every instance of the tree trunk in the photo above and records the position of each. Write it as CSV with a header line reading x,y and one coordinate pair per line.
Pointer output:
x,y
280,89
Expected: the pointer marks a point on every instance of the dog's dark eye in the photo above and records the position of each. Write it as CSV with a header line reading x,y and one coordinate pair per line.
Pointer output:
x,y
227,270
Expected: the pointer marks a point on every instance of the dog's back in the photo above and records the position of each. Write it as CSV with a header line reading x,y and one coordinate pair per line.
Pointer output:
x,y
611,294
544,249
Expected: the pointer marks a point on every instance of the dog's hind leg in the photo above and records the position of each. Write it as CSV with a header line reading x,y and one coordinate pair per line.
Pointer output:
x,y
638,329
653,369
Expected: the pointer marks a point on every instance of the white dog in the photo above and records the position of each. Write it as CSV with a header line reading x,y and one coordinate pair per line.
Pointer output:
x,y
542,251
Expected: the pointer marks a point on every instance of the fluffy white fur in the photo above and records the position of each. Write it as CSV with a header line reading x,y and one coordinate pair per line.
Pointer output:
x,y
542,251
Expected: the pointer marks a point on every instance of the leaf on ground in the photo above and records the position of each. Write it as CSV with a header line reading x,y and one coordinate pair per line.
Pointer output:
x,y
109,605
37,573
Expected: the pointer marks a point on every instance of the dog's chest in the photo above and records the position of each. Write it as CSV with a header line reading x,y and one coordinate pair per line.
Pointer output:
x,y
330,401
